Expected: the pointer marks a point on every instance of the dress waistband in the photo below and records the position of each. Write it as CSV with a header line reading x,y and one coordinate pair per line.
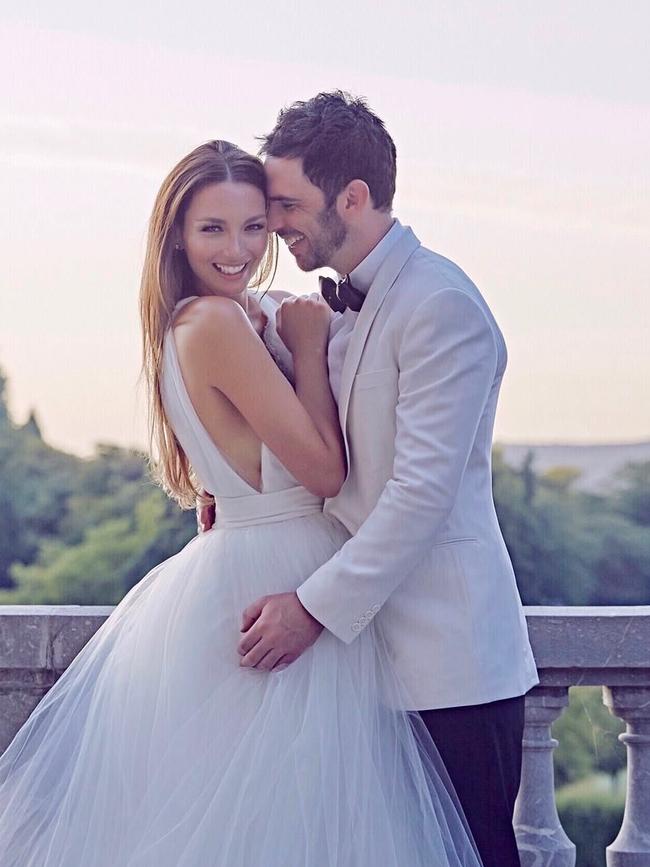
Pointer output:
x,y
266,508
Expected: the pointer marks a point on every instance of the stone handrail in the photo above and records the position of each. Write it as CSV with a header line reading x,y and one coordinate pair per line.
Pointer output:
x,y
608,647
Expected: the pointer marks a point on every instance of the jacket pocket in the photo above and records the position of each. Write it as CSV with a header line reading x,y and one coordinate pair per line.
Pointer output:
x,y
455,541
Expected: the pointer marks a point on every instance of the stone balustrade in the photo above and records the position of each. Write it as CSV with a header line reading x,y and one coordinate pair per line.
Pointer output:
x,y
608,647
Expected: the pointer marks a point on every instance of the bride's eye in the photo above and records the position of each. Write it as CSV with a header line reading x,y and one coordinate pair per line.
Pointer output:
x,y
257,227
211,228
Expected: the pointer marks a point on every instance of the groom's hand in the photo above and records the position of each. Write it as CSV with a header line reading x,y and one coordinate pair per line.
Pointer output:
x,y
205,511
277,629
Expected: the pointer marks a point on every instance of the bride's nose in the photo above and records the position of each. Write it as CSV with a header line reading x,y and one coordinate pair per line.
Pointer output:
x,y
233,248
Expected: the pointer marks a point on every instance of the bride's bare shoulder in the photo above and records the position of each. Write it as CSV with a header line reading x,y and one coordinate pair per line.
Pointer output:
x,y
210,313
211,334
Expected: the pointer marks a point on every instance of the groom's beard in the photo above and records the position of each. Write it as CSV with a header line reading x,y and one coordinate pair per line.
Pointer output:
x,y
332,235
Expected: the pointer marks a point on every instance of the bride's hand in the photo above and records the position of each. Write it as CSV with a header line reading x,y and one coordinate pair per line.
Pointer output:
x,y
303,323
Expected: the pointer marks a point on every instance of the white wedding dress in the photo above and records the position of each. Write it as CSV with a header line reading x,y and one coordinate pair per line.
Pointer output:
x,y
156,749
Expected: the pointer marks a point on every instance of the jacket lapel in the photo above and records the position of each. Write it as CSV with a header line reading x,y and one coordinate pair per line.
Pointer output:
x,y
388,273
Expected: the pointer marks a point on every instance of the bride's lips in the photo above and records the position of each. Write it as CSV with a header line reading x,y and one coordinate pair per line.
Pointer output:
x,y
232,276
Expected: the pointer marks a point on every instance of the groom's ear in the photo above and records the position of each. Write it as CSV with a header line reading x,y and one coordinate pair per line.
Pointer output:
x,y
355,198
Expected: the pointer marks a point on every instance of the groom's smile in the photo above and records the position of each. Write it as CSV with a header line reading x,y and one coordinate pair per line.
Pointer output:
x,y
298,213
291,239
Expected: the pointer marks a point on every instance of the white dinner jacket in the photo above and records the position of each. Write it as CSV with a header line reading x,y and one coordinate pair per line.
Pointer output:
x,y
418,396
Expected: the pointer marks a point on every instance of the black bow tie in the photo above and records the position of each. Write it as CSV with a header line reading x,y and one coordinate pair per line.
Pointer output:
x,y
341,295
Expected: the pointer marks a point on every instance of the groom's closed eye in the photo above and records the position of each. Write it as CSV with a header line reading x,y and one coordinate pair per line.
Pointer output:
x,y
285,204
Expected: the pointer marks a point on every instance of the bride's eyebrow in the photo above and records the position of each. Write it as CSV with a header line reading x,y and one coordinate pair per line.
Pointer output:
x,y
221,222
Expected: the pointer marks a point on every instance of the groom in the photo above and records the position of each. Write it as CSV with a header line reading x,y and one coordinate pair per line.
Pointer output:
x,y
416,360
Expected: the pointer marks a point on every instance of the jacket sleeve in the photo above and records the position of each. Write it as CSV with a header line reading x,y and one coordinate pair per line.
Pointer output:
x,y
448,361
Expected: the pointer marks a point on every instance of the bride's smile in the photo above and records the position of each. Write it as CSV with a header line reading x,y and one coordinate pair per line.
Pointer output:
x,y
224,237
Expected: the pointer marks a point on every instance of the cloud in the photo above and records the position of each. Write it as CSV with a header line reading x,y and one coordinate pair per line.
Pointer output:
x,y
56,142
526,200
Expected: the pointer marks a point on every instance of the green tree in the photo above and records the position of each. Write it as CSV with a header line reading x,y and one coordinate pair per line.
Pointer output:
x,y
561,478
632,496
97,570
588,738
74,530
5,420
58,512
622,566
550,545
109,485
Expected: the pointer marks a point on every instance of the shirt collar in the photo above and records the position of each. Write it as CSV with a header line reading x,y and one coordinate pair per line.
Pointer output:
x,y
362,276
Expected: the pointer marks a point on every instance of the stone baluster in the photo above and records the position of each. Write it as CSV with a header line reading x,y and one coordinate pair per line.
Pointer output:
x,y
632,846
540,837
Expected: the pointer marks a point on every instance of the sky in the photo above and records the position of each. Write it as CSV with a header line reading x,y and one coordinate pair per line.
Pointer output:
x,y
522,132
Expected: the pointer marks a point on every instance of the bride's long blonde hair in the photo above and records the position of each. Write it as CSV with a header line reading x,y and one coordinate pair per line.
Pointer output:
x,y
166,278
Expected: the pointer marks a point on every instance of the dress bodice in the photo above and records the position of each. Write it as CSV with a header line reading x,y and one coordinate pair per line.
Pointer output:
x,y
238,503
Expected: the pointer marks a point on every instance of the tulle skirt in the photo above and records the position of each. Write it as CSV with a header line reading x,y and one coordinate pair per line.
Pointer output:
x,y
156,749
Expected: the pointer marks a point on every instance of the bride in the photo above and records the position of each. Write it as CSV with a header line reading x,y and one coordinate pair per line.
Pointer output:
x,y
156,747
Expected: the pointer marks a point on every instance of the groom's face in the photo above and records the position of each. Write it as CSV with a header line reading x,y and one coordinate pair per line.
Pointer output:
x,y
313,232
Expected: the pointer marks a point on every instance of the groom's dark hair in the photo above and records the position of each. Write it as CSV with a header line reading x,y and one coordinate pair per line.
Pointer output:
x,y
339,139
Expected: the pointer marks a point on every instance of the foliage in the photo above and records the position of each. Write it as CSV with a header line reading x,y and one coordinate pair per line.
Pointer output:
x,y
622,568
76,531
101,566
632,493
573,548
588,738
35,481
591,819
549,544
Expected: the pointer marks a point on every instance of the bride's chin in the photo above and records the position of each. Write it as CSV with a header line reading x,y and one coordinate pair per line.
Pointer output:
x,y
229,289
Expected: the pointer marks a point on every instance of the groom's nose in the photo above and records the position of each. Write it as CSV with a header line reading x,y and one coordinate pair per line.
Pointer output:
x,y
274,218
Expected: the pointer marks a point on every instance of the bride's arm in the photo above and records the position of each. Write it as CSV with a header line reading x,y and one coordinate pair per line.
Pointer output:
x,y
218,344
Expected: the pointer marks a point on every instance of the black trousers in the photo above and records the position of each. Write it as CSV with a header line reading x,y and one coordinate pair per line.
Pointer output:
x,y
481,748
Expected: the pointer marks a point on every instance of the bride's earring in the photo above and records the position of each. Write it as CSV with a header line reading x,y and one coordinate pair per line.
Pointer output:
x,y
177,247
